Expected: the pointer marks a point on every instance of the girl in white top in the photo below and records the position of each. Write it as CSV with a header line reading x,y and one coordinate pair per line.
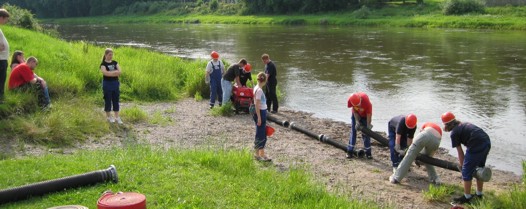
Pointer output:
x,y
260,118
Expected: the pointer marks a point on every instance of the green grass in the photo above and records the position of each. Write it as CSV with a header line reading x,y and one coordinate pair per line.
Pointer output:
x,y
174,179
71,70
134,115
440,193
395,14
224,110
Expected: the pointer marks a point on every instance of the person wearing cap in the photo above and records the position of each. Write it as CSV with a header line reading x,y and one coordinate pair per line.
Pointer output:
x,y
401,132
231,75
214,70
362,111
425,143
477,144
245,75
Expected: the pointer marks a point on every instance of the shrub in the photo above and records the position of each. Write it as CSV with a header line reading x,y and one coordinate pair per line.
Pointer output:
x,y
362,13
459,7
225,110
22,18
214,5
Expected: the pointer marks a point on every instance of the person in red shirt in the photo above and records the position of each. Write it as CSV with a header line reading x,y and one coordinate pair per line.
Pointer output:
x,y
362,110
22,77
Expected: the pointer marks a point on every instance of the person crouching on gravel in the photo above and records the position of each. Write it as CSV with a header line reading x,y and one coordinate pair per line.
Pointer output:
x,y
260,118
426,143
362,111
401,132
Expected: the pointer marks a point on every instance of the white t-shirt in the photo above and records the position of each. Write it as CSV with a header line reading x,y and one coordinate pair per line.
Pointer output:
x,y
260,95
209,66
4,54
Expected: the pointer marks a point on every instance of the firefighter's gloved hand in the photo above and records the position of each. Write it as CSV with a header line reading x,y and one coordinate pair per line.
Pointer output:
x,y
358,126
399,150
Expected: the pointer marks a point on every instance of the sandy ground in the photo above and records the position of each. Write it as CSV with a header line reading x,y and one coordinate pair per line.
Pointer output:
x,y
192,126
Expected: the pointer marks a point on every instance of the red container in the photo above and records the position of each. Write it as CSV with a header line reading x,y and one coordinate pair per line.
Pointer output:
x,y
270,131
122,200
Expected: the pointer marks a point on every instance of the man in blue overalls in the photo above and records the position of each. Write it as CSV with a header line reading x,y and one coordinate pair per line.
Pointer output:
x,y
214,72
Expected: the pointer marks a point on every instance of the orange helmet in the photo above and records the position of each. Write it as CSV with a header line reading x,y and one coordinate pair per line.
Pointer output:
x,y
447,117
214,55
354,100
410,121
248,67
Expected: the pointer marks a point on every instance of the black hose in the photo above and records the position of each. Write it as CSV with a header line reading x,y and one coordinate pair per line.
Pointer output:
x,y
283,123
423,158
41,188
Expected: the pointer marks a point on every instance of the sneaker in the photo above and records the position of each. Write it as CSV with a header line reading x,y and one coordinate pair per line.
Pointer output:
x,y
369,157
111,120
211,106
462,200
393,180
273,111
478,197
394,170
266,159
220,104
119,121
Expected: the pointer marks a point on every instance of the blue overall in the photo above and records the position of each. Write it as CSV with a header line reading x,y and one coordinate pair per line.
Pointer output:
x,y
366,139
215,84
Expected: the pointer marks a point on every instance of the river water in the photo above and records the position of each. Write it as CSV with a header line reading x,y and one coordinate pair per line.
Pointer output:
x,y
478,75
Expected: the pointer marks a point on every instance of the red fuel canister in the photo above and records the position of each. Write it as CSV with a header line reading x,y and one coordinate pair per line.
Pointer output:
x,y
122,200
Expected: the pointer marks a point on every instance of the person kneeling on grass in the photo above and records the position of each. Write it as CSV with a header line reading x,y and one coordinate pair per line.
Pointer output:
x,y
426,143
23,78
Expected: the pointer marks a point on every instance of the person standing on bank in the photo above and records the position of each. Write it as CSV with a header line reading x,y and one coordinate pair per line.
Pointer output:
x,y
362,111
425,143
272,82
477,144
245,75
214,71
110,85
260,118
232,74
4,54
401,132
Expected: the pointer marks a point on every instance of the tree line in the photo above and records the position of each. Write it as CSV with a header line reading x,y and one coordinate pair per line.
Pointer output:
x,y
83,8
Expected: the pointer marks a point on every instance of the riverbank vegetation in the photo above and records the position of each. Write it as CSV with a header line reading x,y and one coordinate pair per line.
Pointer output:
x,y
71,70
174,179
480,14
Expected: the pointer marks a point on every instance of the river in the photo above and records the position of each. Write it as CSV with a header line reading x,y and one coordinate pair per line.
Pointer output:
x,y
478,75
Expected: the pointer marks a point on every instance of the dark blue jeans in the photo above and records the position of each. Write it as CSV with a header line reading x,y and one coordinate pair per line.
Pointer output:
x,y
475,157
3,76
366,139
111,95
215,90
395,156
261,131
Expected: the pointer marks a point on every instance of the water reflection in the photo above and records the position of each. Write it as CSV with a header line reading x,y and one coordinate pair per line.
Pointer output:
x,y
479,75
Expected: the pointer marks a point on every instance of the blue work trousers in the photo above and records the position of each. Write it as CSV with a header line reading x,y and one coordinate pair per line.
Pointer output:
x,y
366,139
111,95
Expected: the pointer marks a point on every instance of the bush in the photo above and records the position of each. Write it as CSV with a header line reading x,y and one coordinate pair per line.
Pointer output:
x,y
214,5
22,18
362,13
134,115
459,7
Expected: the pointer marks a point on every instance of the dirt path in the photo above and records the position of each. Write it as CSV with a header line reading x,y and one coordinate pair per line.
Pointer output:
x,y
192,127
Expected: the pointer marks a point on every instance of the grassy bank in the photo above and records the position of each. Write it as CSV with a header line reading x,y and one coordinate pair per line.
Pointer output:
x,y
428,15
174,179
74,79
